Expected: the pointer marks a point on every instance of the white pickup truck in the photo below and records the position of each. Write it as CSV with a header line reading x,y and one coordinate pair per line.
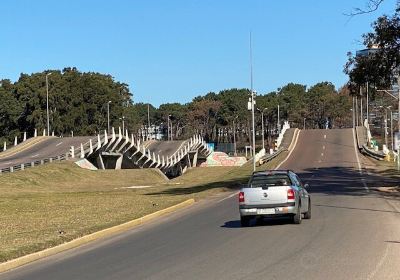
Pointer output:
x,y
274,193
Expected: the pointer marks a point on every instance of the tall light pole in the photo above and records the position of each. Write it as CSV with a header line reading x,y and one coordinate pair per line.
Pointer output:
x,y
123,124
252,106
234,136
47,103
108,116
391,124
148,119
279,126
367,102
168,131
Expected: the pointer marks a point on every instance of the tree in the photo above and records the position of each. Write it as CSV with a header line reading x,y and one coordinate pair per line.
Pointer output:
x,y
382,63
10,112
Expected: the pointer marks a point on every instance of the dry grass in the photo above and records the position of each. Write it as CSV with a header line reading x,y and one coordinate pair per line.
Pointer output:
x,y
55,203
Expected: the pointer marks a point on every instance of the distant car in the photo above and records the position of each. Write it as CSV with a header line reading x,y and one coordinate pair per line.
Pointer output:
x,y
274,193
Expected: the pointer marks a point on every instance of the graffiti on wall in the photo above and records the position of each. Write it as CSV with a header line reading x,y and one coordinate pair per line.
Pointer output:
x,y
222,159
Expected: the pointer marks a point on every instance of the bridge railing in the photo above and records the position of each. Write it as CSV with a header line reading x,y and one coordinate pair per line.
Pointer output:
x,y
26,165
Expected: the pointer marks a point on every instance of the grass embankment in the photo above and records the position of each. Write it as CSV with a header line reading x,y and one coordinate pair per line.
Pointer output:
x,y
384,169
55,203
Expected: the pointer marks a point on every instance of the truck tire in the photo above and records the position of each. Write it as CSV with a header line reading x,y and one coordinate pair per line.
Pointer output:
x,y
307,215
297,217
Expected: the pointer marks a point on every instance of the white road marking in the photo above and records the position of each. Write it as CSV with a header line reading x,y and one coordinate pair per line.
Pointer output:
x,y
34,156
59,144
358,162
9,162
324,136
225,198
323,147
322,154
380,263
294,146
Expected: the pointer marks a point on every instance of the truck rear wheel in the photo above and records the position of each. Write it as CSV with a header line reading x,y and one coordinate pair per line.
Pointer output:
x,y
297,217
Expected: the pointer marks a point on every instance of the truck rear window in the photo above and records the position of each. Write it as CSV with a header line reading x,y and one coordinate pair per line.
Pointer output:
x,y
262,181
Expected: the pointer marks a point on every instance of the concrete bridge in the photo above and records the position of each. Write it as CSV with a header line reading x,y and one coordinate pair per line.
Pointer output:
x,y
114,151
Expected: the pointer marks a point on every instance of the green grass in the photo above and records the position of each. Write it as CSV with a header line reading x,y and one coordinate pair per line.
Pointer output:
x,y
55,203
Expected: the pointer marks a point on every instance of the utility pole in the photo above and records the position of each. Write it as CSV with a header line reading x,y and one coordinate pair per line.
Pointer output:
x,y
47,103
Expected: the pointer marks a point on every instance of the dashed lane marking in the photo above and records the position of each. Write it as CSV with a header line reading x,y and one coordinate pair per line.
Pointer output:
x,y
324,136
322,154
59,144
34,156
323,147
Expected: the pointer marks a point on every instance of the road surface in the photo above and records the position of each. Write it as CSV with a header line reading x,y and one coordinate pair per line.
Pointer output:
x,y
354,232
48,147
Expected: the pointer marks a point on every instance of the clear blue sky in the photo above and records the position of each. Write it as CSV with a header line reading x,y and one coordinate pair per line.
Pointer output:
x,y
172,51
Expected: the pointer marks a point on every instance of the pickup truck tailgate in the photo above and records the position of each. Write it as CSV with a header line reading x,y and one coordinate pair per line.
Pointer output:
x,y
270,195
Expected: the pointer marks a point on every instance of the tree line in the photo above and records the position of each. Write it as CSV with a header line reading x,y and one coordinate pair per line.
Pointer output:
x,y
79,102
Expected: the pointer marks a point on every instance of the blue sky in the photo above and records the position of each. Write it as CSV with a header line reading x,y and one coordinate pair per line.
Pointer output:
x,y
172,51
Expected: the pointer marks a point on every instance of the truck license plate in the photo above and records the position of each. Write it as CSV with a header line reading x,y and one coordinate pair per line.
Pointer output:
x,y
266,211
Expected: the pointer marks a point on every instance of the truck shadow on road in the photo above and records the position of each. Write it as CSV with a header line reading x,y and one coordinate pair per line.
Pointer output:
x,y
260,222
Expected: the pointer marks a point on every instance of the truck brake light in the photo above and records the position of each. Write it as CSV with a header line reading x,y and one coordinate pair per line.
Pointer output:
x,y
241,197
290,194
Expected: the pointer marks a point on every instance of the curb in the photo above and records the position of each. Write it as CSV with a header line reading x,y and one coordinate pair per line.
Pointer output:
x,y
91,237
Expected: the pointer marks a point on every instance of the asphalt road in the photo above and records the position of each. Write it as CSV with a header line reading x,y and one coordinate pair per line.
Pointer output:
x,y
354,232
49,147
166,148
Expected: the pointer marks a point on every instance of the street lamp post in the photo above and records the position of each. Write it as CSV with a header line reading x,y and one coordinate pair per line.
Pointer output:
x,y
279,127
108,116
391,128
47,103
234,136
168,131
123,124
148,119
304,123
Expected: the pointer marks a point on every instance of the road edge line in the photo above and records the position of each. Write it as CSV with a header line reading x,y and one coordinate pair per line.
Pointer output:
x,y
358,161
14,263
296,137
